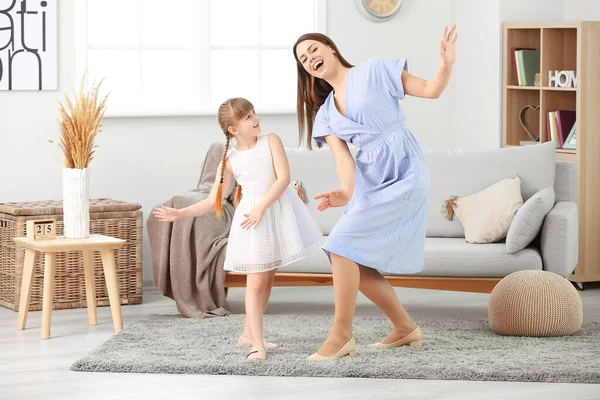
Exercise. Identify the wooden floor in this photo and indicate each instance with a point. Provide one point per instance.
(34, 369)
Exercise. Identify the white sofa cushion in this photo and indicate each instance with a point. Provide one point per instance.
(487, 214)
(455, 257)
(464, 172)
(448, 257)
(528, 221)
(316, 262)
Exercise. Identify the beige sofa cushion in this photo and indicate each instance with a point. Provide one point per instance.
(486, 215)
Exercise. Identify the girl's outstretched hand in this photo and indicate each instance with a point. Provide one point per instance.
(335, 198)
(252, 218)
(448, 46)
(166, 214)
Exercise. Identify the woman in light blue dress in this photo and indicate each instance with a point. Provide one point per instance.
(385, 190)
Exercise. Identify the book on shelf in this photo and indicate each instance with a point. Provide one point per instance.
(551, 128)
(565, 120)
(525, 63)
(560, 124)
(516, 78)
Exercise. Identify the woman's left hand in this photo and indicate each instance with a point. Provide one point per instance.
(448, 46)
(253, 218)
(335, 198)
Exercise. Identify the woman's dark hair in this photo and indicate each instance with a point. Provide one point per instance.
(312, 91)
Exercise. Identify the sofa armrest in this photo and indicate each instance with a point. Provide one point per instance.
(560, 239)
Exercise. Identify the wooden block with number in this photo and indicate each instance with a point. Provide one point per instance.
(41, 229)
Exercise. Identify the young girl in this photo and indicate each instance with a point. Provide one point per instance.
(271, 226)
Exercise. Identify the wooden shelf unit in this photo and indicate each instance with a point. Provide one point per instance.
(563, 46)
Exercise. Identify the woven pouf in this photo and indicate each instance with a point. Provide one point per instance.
(535, 303)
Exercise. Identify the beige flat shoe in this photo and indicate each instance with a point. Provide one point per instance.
(413, 339)
(257, 355)
(244, 341)
(349, 349)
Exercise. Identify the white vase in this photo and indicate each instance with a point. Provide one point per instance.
(76, 203)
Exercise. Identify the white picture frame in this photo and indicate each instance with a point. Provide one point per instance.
(570, 141)
(28, 60)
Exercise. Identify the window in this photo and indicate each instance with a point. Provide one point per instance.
(184, 57)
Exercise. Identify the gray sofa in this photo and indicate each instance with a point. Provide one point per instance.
(450, 262)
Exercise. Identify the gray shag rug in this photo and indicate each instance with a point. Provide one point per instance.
(453, 349)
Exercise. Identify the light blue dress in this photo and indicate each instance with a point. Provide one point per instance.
(383, 227)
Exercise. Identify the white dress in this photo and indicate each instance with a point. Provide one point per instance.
(286, 233)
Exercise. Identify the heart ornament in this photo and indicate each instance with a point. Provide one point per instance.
(523, 120)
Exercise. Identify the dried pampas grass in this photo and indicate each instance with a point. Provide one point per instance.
(80, 122)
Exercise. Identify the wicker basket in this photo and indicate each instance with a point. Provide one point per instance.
(107, 217)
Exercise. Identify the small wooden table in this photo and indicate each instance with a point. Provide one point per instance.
(105, 244)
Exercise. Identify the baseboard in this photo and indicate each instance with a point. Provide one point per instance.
(148, 284)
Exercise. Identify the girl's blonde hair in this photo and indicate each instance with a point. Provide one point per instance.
(230, 112)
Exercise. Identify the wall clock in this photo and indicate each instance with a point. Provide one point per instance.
(378, 10)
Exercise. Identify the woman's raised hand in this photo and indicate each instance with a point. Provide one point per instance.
(448, 46)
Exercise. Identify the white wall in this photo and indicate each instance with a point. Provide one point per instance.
(586, 10)
(477, 70)
(147, 160)
(479, 64)
(414, 34)
(531, 10)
